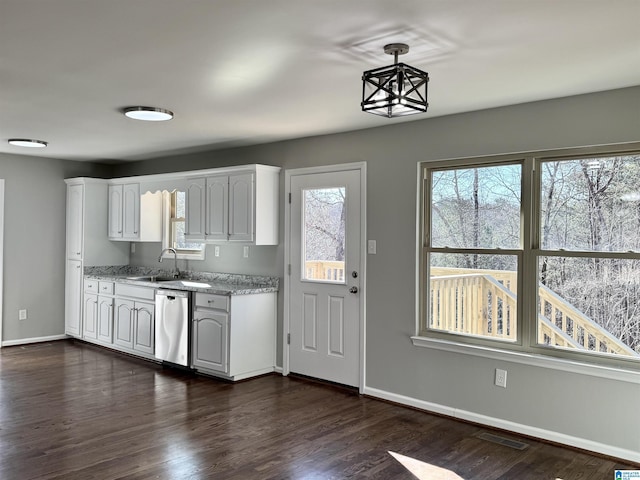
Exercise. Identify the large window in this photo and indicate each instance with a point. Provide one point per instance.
(536, 253)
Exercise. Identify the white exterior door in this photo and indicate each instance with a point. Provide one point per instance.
(326, 260)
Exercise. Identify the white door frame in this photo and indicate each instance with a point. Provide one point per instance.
(1, 254)
(362, 166)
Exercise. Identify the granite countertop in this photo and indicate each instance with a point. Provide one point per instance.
(207, 282)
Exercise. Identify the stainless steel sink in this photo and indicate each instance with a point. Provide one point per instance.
(185, 283)
(152, 278)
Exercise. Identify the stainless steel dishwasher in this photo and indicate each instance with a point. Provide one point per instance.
(172, 326)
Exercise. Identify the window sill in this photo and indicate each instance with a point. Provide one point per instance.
(535, 360)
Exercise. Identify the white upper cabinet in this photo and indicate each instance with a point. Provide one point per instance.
(238, 205)
(217, 208)
(134, 217)
(131, 211)
(115, 211)
(195, 207)
(242, 207)
(75, 205)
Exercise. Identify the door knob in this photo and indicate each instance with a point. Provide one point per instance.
(353, 290)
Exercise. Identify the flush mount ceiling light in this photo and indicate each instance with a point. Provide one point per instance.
(149, 114)
(27, 142)
(396, 90)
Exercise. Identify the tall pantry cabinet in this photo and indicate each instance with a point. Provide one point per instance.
(87, 243)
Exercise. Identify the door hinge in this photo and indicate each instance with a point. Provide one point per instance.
(288, 339)
(289, 197)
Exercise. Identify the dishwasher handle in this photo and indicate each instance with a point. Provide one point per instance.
(172, 294)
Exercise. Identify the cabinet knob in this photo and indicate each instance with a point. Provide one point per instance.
(78, 253)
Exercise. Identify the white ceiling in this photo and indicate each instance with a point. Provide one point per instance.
(253, 71)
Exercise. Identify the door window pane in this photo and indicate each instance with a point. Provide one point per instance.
(590, 303)
(476, 207)
(591, 204)
(474, 294)
(324, 234)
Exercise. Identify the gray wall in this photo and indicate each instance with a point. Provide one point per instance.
(585, 407)
(34, 242)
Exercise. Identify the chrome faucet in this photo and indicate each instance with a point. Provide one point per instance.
(176, 272)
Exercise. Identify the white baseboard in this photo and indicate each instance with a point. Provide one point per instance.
(278, 369)
(528, 430)
(25, 341)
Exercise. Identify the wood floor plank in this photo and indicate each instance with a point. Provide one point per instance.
(69, 410)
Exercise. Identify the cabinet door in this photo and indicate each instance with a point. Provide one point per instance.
(123, 323)
(210, 342)
(115, 211)
(73, 297)
(195, 195)
(75, 212)
(105, 319)
(144, 327)
(241, 207)
(90, 318)
(217, 211)
(131, 211)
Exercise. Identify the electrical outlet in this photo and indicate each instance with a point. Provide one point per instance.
(501, 378)
(22, 314)
(245, 252)
(216, 251)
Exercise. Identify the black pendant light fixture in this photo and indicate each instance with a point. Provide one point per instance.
(396, 90)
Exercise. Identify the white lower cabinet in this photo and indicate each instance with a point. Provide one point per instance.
(233, 336)
(144, 327)
(120, 316)
(90, 324)
(97, 311)
(211, 341)
(134, 325)
(73, 298)
(105, 320)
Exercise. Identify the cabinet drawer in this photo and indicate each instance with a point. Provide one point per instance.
(91, 286)
(211, 300)
(105, 288)
(144, 293)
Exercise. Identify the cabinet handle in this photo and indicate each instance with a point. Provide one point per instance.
(77, 266)
(78, 253)
(135, 232)
(119, 231)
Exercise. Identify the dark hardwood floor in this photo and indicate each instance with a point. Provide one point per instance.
(70, 410)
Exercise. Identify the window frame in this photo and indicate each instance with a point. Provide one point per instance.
(528, 255)
(168, 231)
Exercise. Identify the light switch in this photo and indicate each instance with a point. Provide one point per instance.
(371, 247)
